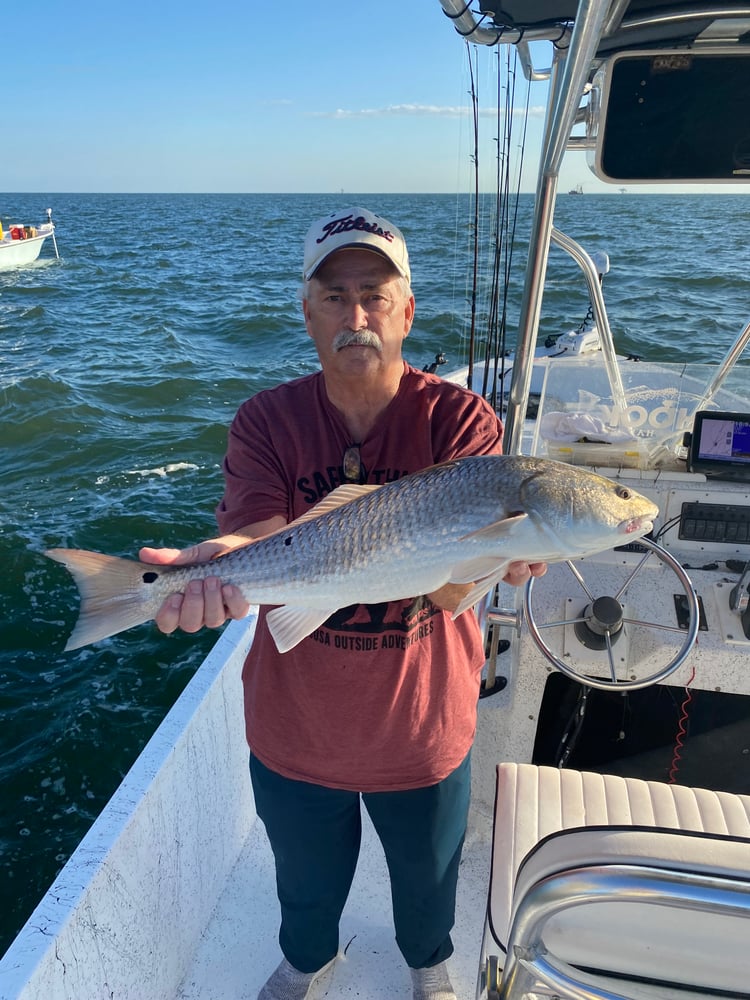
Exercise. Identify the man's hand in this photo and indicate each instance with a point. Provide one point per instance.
(205, 602)
(448, 597)
(519, 572)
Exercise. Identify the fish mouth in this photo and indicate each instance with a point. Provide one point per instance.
(642, 525)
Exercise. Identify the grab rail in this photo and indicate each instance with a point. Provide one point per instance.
(591, 274)
(528, 958)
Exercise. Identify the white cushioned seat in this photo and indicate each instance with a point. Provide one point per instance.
(550, 821)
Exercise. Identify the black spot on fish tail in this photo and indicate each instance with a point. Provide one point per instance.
(150, 577)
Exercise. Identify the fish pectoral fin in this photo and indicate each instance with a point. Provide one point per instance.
(485, 571)
(476, 569)
(289, 625)
(336, 498)
(508, 526)
(483, 586)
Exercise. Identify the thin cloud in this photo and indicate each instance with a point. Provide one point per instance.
(419, 110)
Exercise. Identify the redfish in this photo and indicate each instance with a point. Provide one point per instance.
(463, 521)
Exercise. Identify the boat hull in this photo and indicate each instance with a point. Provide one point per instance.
(155, 862)
(19, 253)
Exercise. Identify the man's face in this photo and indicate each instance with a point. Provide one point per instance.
(357, 313)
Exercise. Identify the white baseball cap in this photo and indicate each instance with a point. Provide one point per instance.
(354, 227)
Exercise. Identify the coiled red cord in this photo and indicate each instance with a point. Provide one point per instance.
(681, 731)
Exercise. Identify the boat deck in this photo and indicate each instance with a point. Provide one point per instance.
(239, 949)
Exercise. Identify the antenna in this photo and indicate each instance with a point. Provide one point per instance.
(51, 223)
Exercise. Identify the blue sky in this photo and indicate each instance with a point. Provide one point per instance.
(234, 96)
(230, 96)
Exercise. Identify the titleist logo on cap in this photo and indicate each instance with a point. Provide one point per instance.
(348, 223)
(355, 228)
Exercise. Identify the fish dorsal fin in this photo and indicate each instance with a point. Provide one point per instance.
(497, 529)
(289, 625)
(336, 498)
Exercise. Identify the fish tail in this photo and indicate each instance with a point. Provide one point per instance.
(112, 593)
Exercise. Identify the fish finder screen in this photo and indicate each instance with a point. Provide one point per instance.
(721, 444)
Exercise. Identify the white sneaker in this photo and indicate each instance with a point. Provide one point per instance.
(432, 983)
(288, 983)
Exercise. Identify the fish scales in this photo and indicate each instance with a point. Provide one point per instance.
(463, 521)
(365, 544)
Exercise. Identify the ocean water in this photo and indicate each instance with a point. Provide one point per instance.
(121, 365)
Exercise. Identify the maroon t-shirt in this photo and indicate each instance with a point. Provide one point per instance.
(380, 697)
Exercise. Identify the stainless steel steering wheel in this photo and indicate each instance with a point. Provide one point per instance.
(601, 622)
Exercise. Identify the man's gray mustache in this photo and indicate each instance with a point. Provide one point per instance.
(356, 338)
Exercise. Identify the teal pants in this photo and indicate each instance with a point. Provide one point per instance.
(315, 834)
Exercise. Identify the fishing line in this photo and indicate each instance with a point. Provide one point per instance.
(461, 248)
(475, 241)
(492, 325)
(511, 231)
(492, 223)
(507, 197)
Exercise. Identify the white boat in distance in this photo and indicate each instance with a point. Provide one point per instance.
(21, 245)
(608, 851)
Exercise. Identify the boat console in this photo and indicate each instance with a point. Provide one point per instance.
(675, 610)
(628, 673)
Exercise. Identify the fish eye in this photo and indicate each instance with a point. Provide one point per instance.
(623, 493)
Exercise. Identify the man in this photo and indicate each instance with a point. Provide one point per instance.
(378, 704)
